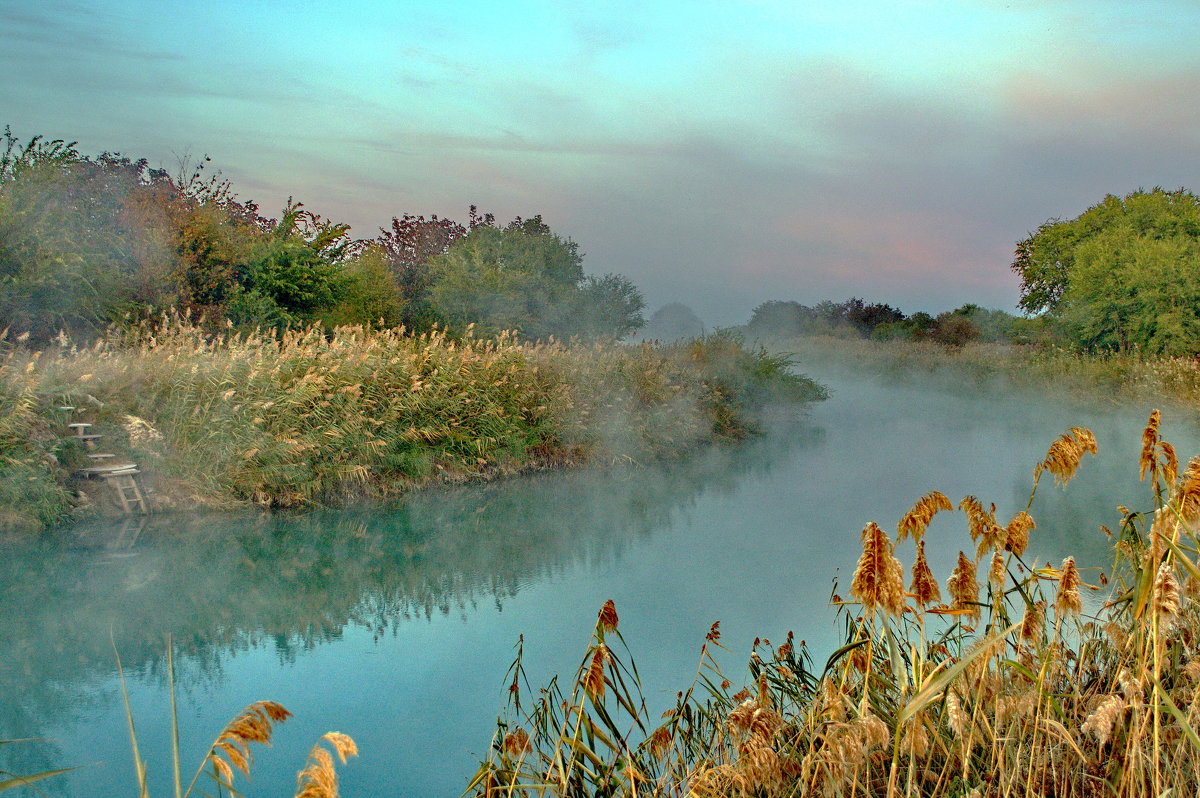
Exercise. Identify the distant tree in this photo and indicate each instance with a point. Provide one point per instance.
(1123, 275)
(778, 319)
(608, 307)
(525, 277)
(672, 322)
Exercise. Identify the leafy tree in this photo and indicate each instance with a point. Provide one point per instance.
(1123, 275)
(409, 245)
(75, 244)
(525, 277)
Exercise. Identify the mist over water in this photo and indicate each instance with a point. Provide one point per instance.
(395, 625)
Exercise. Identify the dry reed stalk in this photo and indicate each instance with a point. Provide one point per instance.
(878, 580)
(593, 678)
(607, 619)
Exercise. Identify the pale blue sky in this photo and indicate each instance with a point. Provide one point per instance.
(719, 153)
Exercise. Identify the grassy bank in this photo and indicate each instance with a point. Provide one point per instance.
(1012, 686)
(1108, 378)
(307, 417)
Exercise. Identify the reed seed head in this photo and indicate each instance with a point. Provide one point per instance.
(996, 572)
(1166, 592)
(319, 777)
(1064, 455)
(878, 580)
(1033, 622)
(516, 743)
(1067, 600)
(593, 679)
(917, 519)
(924, 586)
(231, 749)
(607, 620)
(1108, 712)
(1188, 496)
(963, 586)
(1148, 461)
(1018, 529)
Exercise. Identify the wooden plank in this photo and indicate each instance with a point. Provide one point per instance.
(84, 437)
(101, 470)
(78, 425)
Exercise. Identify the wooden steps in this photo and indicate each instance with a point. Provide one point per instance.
(121, 475)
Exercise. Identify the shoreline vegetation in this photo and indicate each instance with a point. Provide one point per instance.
(1012, 686)
(1107, 378)
(309, 417)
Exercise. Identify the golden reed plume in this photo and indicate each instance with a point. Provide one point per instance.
(917, 519)
(1188, 496)
(1063, 456)
(231, 749)
(319, 778)
(1067, 600)
(879, 577)
(1146, 465)
(593, 679)
(963, 587)
(924, 587)
(1017, 533)
(607, 620)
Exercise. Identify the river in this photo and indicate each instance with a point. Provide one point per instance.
(396, 625)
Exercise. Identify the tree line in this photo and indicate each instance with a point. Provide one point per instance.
(86, 242)
(1122, 277)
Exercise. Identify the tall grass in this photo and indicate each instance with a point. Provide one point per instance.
(1013, 687)
(307, 417)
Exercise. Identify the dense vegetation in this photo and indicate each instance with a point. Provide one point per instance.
(310, 416)
(86, 242)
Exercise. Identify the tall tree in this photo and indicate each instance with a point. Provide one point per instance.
(1123, 275)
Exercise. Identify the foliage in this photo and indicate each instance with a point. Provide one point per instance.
(1014, 688)
(524, 277)
(1121, 276)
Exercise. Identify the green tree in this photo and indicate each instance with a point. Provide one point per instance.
(1123, 275)
(525, 277)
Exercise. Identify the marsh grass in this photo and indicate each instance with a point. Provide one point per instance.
(1013, 688)
(309, 417)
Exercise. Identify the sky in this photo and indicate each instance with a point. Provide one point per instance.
(720, 154)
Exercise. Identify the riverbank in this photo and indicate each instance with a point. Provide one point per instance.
(309, 418)
(1086, 379)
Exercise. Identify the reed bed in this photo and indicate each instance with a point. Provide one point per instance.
(308, 417)
(1009, 687)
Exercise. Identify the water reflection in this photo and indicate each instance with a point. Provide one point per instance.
(221, 584)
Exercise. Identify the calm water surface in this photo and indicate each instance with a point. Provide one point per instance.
(396, 626)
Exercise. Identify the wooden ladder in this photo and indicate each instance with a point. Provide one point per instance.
(128, 492)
